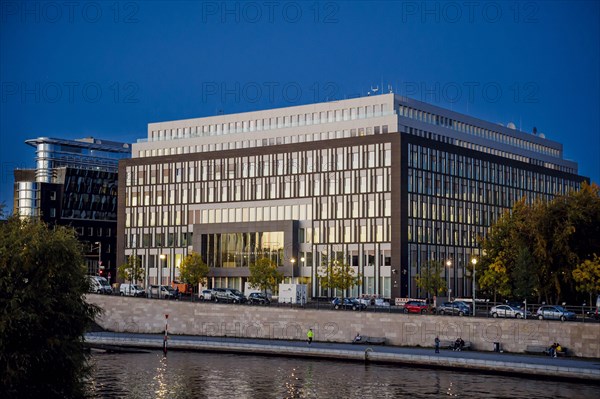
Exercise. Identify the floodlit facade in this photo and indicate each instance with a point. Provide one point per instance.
(75, 184)
(384, 183)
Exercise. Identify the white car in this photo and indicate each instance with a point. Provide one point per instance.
(99, 285)
(381, 302)
(508, 311)
(206, 295)
(131, 290)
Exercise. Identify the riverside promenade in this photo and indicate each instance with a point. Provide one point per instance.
(487, 362)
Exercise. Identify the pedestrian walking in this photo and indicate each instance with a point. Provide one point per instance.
(437, 344)
(310, 335)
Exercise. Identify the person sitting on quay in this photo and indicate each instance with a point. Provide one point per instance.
(552, 350)
(459, 344)
(358, 338)
(557, 349)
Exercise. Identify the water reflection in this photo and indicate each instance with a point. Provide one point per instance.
(209, 375)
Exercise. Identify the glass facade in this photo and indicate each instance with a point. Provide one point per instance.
(454, 196)
(90, 194)
(242, 249)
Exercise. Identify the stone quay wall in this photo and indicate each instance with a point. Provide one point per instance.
(141, 315)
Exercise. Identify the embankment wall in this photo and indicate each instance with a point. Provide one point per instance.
(140, 315)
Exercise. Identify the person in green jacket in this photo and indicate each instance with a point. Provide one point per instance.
(310, 335)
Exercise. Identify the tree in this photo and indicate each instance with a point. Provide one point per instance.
(193, 270)
(430, 278)
(264, 275)
(338, 275)
(499, 252)
(524, 280)
(587, 276)
(43, 314)
(495, 279)
(539, 245)
(132, 271)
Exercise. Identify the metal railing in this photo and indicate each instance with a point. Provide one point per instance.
(583, 313)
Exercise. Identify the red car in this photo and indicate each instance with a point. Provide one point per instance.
(416, 307)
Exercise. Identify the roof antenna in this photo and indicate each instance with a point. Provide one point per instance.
(375, 90)
(390, 89)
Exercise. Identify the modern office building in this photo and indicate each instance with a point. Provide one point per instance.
(384, 183)
(75, 183)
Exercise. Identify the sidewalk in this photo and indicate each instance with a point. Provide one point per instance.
(513, 364)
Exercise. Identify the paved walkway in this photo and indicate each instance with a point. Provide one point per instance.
(572, 368)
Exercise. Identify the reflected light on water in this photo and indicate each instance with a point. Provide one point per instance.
(161, 390)
(451, 390)
(183, 375)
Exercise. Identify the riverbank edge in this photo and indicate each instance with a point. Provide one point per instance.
(370, 355)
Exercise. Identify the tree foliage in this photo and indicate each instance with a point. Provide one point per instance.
(193, 270)
(338, 275)
(43, 314)
(533, 250)
(430, 278)
(132, 270)
(587, 276)
(264, 275)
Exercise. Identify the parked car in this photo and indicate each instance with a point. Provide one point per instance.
(415, 307)
(131, 290)
(348, 303)
(508, 311)
(594, 314)
(554, 312)
(160, 291)
(183, 288)
(228, 295)
(259, 298)
(380, 302)
(454, 308)
(206, 295)
(99, 285)
(515, 304)
(174, 292)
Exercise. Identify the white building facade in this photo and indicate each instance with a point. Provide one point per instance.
(383, 183)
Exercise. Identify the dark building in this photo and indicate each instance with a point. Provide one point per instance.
(75, 183)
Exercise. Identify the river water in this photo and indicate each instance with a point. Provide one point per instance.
(213, 375)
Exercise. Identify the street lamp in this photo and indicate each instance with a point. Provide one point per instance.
(474, 262)
(99, 244)
(163, 257)
(293, 260)
(448, 264)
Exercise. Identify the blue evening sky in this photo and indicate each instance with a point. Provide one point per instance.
(106, 69)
